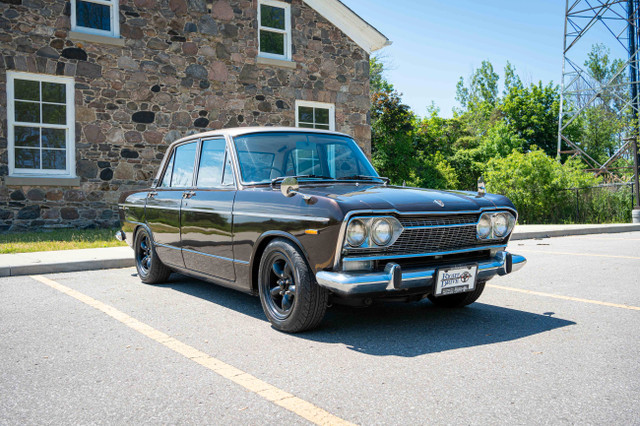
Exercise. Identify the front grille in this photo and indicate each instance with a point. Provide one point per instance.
(440, 238)
(460, 219)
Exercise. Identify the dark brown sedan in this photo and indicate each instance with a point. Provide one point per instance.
(300, 217)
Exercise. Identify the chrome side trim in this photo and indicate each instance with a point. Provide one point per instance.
(215, 257)
(163, 208)
(349, 215)
(203, 254)
(283, 216)
(362, 283)
(197, 210)
(409, 256)
(131, 205)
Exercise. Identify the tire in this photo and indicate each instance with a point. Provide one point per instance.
(291, 298)
(150, 269)
(458, 300)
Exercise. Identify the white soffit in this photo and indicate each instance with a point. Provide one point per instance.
(351, 24)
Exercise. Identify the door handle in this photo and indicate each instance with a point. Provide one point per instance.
(152, 194)
(188, 194)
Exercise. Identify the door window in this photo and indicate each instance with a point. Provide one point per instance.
(211, 163)
(184, 161)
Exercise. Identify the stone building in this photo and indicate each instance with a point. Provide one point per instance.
(92, 91)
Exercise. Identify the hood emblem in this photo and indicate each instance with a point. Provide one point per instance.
(439, 202)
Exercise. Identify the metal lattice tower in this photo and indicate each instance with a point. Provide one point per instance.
(615, 24)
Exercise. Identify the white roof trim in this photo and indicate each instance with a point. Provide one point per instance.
(351, 24)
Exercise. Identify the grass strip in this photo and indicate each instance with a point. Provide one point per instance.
(57, 239)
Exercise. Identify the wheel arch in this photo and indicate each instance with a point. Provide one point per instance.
(259, 247)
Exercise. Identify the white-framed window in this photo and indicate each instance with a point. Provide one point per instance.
(98, 17)
(274, 29)
(315, 115)
(41, 125)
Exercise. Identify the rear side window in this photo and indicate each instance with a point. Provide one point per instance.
(211, 163)
(185, 156)
(166, 179)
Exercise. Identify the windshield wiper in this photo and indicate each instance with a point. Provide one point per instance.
(365, 177)
(281, 178)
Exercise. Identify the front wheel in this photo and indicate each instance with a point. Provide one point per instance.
(290, 296)
(458, 300)
(150, 269)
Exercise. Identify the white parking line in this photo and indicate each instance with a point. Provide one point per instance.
(574, 299)
(251, 383)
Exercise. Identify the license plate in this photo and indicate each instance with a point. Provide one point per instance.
(459, 279)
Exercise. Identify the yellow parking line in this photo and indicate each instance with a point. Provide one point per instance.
(251, 383)
(577, 254)
(574, 299)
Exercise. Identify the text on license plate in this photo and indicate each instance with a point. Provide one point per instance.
(454, 280)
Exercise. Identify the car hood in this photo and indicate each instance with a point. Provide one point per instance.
(379, 197)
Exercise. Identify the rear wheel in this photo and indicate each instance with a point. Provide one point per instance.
(150, 269)
(291, 298)
(458, 300)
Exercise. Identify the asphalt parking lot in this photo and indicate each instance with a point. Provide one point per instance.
(557, 342)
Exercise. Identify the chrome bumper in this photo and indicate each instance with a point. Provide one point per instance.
(393, 278)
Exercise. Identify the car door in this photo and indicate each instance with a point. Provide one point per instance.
(206, 222)
(164, 203)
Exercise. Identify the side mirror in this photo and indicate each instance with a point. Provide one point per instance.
(289, 186)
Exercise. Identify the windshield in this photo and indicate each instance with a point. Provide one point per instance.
(266, 156)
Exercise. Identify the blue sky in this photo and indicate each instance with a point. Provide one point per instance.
(435, 42)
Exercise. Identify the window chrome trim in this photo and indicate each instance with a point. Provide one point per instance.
(352, 213)
(409, 256)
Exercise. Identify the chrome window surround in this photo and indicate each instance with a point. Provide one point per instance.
(343, 229)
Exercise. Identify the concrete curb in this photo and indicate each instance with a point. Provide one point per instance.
(52, 268)
(527, 232)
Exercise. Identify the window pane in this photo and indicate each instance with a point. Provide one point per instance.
(26, 136)
(27, 158)
(256, 166)
(54, 160)
(322, 116)
(305, 114)
(54, 114)
(166, 179)
(28, 112)
(305, 125)
(211, 161)
(54, 92)
(272, 17)
(26, 89)
(92, 15)
(271, 42)
(183, 166)
(322, 126)
(53, 138)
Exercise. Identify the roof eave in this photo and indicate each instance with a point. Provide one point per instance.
(349, 22)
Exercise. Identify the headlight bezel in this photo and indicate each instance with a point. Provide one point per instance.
(493, 217)
(370, 241)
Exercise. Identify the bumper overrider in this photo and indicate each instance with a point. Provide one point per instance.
(393, 278)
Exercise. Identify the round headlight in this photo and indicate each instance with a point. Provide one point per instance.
(356, 233)
(381, 232)
(500, 224)
(483, 228)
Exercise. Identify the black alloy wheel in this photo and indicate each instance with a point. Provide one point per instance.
(291, 298)
(150, 268)
(281, 286)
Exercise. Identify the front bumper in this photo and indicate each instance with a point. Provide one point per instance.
(394, 279)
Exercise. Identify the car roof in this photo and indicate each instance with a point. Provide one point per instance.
(239, 131)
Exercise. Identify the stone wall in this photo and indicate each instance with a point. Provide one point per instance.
(186, 66)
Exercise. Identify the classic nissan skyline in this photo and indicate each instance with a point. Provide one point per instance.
(301, 218)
